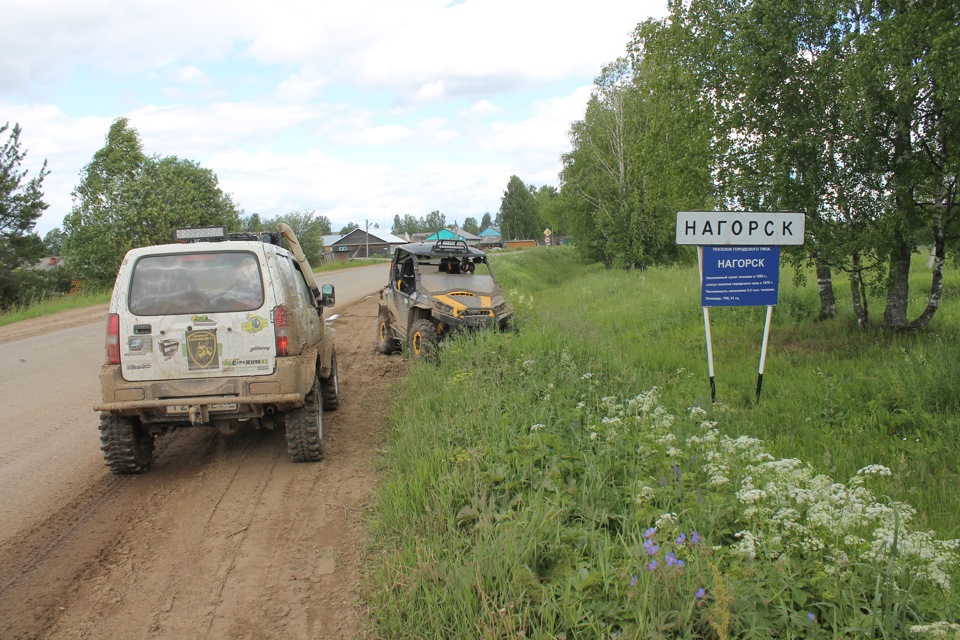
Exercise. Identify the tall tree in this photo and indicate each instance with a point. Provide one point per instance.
(640, 154)
(486, 221)
(518, 212)
(434, 221)
(845, 110)
(470, 225)
(21, 199)
(53, 242)
(310, 229)
(21, 204)
(126, 199)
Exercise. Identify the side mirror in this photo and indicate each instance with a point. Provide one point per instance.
(328, 297)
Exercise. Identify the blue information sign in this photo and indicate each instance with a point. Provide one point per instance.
(740, 276)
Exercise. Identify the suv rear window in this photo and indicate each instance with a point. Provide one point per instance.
(181, 283)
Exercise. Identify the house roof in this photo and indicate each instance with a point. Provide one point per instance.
(490, 232)
(444, 234)
(359, 236)
(466, 235)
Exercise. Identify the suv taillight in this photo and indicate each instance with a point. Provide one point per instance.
(280, 324)
(113, 339)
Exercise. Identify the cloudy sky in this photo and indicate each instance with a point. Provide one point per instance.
(358, 109)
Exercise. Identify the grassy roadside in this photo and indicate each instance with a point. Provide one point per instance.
(574, 480)
(54, 305)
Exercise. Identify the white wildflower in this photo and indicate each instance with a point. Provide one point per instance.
(753, 495)
(645, 496)
(536, 427)
(586, 376)
(875, 470)
(942, 629)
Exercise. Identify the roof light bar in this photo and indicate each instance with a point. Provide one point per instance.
(200, 233)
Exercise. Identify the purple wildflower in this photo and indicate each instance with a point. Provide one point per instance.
(811, 617)
(671, 559)
(649, 533)
(652, 565)
(633, 581)
(681, 538)
(695, 538)
(650, 547)
(701, 592)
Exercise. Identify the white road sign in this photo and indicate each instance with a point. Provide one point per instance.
(743, 228)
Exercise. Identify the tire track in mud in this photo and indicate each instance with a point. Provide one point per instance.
(223, 536)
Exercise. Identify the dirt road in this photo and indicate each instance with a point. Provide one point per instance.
(222, 538)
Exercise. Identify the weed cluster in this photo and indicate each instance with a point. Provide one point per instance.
(528, 494)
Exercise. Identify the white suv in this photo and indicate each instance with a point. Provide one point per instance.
(222, 330)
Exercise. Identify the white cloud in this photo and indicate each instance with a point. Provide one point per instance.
(483, 108)
(387, 134)
(430, 92)
(362, 109)
(546, 129)
(192, 75)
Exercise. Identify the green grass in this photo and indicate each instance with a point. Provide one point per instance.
(522, 473)
(54, 305)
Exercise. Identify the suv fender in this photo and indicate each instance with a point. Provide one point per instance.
(325, 361)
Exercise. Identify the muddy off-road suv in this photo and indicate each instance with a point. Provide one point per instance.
(434, 290)
(222, 330)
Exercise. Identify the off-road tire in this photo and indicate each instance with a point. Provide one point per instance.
(127, 447)
(304, 427)
(330, 386)
(423, 340)
(386, 343)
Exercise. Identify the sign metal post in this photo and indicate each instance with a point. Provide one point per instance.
(738, 253)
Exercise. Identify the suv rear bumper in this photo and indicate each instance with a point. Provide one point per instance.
(193, 400)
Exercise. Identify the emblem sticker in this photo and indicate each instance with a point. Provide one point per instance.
(254, 323)
(168, 348)
(139, 345)
(202, 351)
(202, 320)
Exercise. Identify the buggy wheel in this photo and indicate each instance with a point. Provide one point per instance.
(127, 447)
(304, 427)
(423, 340)
(386, 343)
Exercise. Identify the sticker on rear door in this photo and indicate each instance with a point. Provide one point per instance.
(202, 350)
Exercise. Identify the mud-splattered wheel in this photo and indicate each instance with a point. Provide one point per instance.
(127, 447)
(304, 428)
(330, 386)
(423, 340)
(386, 343)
